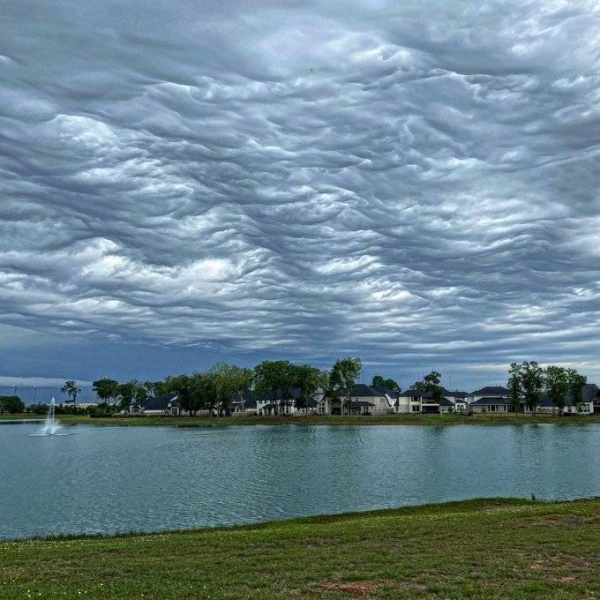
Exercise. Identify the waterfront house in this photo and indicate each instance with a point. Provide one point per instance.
(487, 404)
(361, 399)
(590, 395)
(164, 404)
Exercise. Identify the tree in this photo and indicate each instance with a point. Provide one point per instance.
(275, 377)
(203, 392)
(129, 391)
(514, 384)
(105, 389)
(231, 381)
(529, 378)
(308, 379)
(11, 404)
(557, 386)
(71, 390)
(155, 388)
(343, 377)
(182, 385)
(431, 383)
(379, 381)
(576, 383)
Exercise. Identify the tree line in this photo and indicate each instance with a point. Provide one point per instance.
(287, 382)
(528, 382)
(225, 383)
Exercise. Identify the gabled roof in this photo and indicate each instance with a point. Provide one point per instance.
(490, 400)
(279, 394)
(158, 402)
(496, 390)
(366, 391)
(384, 391)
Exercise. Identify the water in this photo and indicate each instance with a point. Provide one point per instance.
(113, 479)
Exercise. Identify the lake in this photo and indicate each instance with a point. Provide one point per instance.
(118, 479)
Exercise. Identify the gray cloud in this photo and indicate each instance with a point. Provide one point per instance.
(415, 184)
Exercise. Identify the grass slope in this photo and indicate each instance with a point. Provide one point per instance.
(487, 548)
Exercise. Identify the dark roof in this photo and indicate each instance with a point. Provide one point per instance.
(446, 402)
(279, 394)
(158, 402)
(490, 400)
(497, 390)
(384, 391)
(590, 390)
(363, 390)
(418, 393)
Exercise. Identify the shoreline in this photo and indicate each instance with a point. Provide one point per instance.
(480, 548)
(355, 420)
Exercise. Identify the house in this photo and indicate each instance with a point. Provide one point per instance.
(487, 404)
(418, 401)
(278, 402)
(412, 401)
(244, 405)
(362, 399)
(460, 400)
(590, 396)
(164, 404)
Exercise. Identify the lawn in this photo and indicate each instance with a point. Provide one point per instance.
(488, 548)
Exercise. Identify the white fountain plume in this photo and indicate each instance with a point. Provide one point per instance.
(51, 425)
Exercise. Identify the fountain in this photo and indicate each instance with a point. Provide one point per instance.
(51, 425)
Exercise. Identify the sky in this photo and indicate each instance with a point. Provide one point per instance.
(182, 182)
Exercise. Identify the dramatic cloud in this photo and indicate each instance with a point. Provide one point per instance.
(415, 183)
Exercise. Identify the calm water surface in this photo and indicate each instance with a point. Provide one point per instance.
(113, 479)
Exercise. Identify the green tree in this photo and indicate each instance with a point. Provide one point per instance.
(11, 404)
(557, 386)
(379, 381)
(275, 377)
(430, 383)
(308, 380)
(155, 388)
(529, 377)
(576, 383)
(106, 389)
(231, 382)
(204, 392)
(182, 385)
(342, 378)
(129, 391)
(514, 384)
(71, 390)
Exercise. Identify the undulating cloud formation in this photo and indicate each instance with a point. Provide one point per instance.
(415, 183)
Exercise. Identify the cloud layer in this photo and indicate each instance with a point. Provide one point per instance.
(415, 183)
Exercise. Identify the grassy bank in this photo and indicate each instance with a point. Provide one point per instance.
(476, 549)
(390, 419)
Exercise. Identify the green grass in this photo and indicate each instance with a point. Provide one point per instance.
(485, 549)
(386, 419)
